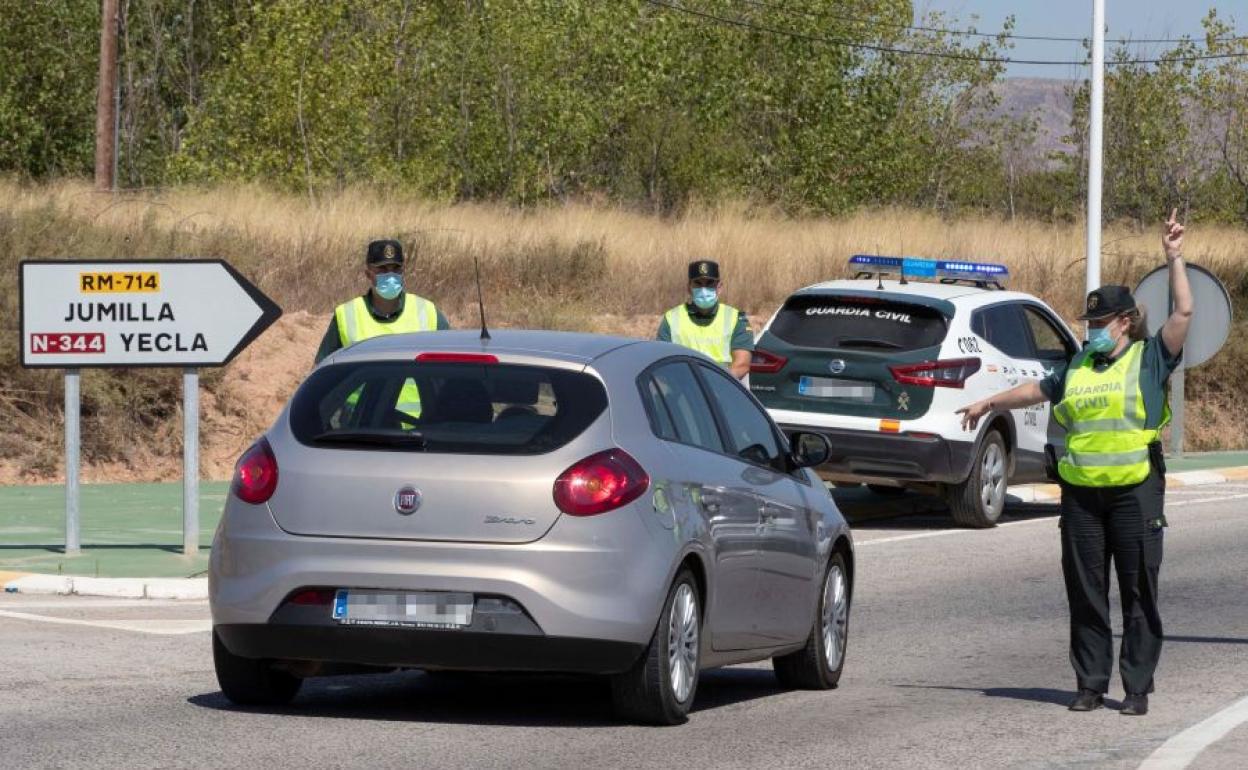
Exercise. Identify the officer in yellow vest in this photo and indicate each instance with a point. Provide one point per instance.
(1112, 401)
(384, 309)
(708, 325)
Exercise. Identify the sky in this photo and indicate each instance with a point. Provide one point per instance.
(1073, 18)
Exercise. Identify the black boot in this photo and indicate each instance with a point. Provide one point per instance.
(1134, 705)
(1087, 700)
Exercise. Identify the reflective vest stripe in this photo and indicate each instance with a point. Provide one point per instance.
(1106, 459)
(713, 339)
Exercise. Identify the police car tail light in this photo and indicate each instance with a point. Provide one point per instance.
(255, 476)
(601, 482)
(951, 373)
(766, 362)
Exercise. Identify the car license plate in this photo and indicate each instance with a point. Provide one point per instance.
(424, 609)
(826, 387)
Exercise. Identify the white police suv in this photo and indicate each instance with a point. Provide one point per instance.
(881, 365)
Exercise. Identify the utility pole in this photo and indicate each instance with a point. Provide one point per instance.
(1095, 145)
(106, 101)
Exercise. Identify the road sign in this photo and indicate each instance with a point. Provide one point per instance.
(1210, 326)
(1211, 323)
(186, 313)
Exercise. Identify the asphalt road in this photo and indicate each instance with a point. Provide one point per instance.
(957, 657)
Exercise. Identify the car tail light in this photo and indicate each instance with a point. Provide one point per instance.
(255, 476)
(312, 597)
(951, 373)
(766, 362)
(601, 482)
(456, 358)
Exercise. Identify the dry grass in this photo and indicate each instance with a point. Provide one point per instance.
(571, 267)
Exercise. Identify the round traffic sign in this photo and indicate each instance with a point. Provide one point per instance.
(1211, 323)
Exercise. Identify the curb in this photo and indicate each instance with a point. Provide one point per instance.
(117, 588)
(1043, 493)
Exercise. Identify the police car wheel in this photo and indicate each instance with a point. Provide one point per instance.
(251, 682)
(979, 501)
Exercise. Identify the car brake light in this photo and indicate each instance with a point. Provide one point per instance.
(951, 373)
(601, 482)
(456, 358)
(766, 362)
(255, 476)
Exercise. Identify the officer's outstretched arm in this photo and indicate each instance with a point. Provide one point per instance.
(1174, 332)
(740, 365)
(1027, 394)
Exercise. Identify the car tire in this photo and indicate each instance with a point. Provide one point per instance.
(979, 501)
(818, 665)
(252, 682)
(660, 687)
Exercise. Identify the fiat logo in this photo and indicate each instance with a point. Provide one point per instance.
(407, 500)
(836, 366)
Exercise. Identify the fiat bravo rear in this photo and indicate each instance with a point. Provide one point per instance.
(536, 502)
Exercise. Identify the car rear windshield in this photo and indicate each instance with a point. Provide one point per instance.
(445, 407)
(863, 323)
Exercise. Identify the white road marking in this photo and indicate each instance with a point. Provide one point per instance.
(946, 532)
(1182, 749)
(101, 603)
(159, 627)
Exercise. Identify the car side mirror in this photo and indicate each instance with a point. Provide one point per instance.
(807, 450)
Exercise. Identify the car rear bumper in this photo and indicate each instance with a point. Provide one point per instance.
(428, 648)
(872, 456)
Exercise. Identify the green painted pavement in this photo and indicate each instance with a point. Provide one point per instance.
(1203, 461)
(128, 530)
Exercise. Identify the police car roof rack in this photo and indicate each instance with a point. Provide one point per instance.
(985, 275)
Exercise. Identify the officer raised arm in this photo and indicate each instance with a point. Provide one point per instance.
(1112, 401)
(707, 325)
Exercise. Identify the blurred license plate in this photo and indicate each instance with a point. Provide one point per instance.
(425, 609)
(826, 387)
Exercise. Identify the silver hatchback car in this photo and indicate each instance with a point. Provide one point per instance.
(539, 501)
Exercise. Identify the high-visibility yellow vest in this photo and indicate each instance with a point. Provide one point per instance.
(713, 339)
(1107, 443)
(356, 324)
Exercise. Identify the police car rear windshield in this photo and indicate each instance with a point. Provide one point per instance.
(445, 407)
(858, 323)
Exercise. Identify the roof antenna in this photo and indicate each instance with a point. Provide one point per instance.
(902, 269)
(485, 333)
(879, 276)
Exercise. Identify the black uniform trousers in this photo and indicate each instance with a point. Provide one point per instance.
(1124, 524)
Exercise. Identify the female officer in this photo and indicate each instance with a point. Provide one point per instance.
(1111, 400)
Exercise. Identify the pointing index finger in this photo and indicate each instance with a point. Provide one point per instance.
(1174, 213)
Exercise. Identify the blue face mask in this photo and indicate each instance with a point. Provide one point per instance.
(388, 285)
(705, 297)
(1100, 341)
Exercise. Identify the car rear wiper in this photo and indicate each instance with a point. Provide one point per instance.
(377, 437)
(863, 342)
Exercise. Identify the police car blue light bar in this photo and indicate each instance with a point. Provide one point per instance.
(913, 267)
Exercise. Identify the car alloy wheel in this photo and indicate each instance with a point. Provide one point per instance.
(992, 478)
(835, 618)
(682, 643)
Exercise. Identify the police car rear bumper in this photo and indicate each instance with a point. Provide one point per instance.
(869, 456)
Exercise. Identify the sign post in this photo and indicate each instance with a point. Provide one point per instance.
(180, 313)
(1096, 111)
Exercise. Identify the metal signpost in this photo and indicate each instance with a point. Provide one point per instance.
(1211, 325)
(1095, 123)
(180, 313)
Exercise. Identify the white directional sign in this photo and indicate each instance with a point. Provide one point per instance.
(185, 313)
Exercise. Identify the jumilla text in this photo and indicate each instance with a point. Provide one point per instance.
(118, 311)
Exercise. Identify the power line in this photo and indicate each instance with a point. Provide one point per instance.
(791, 11)
(742, 24)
